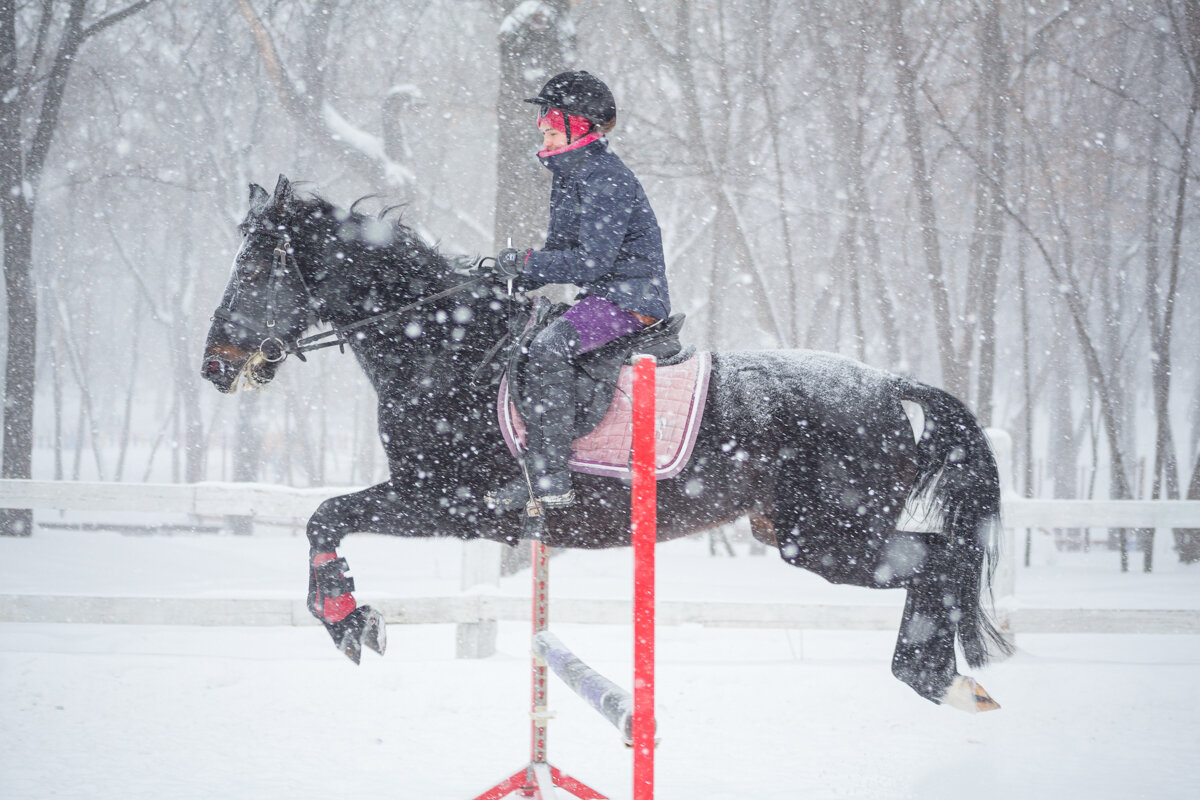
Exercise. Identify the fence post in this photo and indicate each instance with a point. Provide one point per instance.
(1006, 570)
(480, 567)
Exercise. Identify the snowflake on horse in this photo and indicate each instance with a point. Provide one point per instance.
(816, 449)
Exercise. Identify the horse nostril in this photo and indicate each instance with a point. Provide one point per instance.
(213, 367)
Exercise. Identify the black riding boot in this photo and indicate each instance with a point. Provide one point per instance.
(549, 436)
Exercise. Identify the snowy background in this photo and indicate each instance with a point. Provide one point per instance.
(998, 198)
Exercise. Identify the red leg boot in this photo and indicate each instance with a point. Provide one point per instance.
(330, 600)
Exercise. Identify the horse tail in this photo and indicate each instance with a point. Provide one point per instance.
(958, 476)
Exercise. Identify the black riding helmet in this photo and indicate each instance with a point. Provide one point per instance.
(579, 94)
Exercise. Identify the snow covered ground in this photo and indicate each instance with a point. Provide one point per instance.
(131, 712)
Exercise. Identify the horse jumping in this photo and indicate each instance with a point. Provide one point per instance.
(815, 448)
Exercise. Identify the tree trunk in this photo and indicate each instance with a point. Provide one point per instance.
(20, 359)
(774, 131)
(534, 46)
(130, 391)
(845, 103)
(731, 246)
(953, 374)
(1162, 347)
(995, 80)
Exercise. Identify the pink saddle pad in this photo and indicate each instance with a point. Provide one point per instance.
(681, 390)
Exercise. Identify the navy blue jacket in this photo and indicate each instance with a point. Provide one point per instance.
(603, 236)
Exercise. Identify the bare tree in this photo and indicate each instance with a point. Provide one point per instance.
(907, 84)
(848, 104)
(35, 67)
(1185, 35)
(714, 79)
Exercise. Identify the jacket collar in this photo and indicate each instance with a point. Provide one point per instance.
(566, 161)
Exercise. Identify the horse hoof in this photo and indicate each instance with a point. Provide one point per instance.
(967, 695)
(351, 646)
(374, 633)
(364, 626)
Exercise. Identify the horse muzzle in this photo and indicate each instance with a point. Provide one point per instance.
(221, 367)
(226, 367)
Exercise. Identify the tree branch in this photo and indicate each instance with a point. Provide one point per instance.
(270, 57)
(56, 85)
(73, 37)
(43, 31)
(114, 18)
(643, 24)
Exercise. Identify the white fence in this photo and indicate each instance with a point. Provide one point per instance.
(477, 611)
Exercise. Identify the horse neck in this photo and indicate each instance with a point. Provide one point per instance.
(364, 283)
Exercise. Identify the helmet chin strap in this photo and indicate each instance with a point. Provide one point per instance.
(558, 115)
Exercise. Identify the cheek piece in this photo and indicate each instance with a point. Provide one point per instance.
(579, 125)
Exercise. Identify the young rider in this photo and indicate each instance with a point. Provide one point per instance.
(604, 238)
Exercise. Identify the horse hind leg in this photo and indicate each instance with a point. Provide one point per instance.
(924, 657)
(929, 566)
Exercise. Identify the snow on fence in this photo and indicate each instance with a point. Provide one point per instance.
(263, 501)
(200, 499)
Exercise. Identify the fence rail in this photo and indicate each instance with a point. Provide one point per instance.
(203, 499)
(279, 502)
(1019, 512)
(285, 502)
(479, 608)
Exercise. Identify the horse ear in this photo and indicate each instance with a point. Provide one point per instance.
(258, 196)
(283, 191)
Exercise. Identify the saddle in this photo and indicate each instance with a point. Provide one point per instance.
(603, 397)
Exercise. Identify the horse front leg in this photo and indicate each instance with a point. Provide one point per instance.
(330, 588)
(331, 600)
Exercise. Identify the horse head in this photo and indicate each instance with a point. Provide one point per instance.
(267, 303)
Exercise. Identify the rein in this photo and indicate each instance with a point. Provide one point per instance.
(274, 349)
(313, 342)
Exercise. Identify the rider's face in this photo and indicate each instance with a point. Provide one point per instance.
(552, 138)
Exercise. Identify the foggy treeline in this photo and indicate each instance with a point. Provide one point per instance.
(996, 197)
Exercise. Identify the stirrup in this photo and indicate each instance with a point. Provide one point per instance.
(535, 506)
(511, 495)
(515, 494)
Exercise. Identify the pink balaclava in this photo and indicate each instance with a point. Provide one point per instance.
(579, 125)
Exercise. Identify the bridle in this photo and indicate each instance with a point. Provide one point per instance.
(274, 349)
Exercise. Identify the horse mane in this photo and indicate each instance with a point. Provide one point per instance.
(373, 239)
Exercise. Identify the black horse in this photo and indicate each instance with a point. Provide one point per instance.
(816, 449)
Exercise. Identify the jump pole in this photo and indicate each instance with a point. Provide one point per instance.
(645, 536)
(632, 715)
